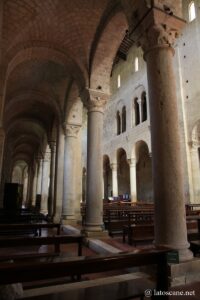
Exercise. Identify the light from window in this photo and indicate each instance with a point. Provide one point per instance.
(118, 123)
(136, 64)
(144, 107)
(118, 81)
(124, 119)
(191, 10)
(137, 112)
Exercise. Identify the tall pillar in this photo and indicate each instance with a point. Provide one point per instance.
(159, 32)
(34, 191)
(133, 182)
(52, 145)
(45, 183)
(59, 172)
(114, 180)
(39, 177)
(94, 202)
(195, 172)
(69, 192)
(30, 186)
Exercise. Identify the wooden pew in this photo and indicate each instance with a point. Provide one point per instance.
(23, 228)
(20, 216)
(116, 224)
(194, 239)
(39, 241)
(138, 233)
(27, 272)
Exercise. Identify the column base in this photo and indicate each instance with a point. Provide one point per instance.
(68, 217)
(185, 254)
(94, 234)
(57, 218)
(184, 272)
(44, 212)
(92, 230)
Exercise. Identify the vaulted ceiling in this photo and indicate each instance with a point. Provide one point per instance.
(45, 47)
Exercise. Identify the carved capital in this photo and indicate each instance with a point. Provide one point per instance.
(157, 29)
(47, 157)
(158, 35)
(114, 166)
(52, 146)
(71, 130)
(96, 100)
(194, 145)
(132, 162)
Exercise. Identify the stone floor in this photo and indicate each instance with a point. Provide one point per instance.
(114, 245)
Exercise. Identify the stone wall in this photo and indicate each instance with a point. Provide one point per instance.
(187, 70)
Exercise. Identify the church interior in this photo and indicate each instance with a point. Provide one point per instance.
(99, 149)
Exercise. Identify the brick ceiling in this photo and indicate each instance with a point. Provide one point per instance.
(45, 46)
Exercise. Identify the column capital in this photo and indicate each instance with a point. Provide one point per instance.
(194, 145)
(96, 100)
(132, 162)
(114, 166)
(157, 29)
(71, 130)
(47, 157)
(52, 146)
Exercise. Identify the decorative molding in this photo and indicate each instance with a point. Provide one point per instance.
(158, 35)
(96, 100)
(157, 29)
(114, 166)
(132, 162)
(52, 146)
(194, 145)
(47, 157)
(71, 130)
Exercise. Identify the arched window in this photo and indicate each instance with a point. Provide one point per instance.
(118, 81)
(118, 123)
(136, 64)
(144, 107)
(191, 11)
(137, 111)
(124, 119)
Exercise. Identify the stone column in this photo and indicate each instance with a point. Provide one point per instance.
(69, 183)
(114, 179)
(45, 183)
(52, 145)
(94, 202)
(159, 32)
(39, 176)
(195, 171)
(133, 182)
(29, 186)
(59, 172)
(34, 191)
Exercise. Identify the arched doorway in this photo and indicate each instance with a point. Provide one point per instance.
(144, 173)
(107, 177)
(123, 173)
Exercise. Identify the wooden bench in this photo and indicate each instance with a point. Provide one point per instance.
(27, 272)
(116, 224)
(25, 228)
(138, 233)
(21, 216)
(38, 241)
